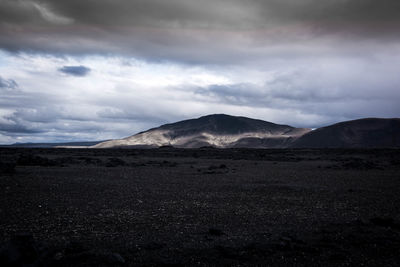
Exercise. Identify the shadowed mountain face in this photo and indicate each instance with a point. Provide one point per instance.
(358, 133)
(214, 130)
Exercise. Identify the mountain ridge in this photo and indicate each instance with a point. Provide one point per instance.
(225, 131)
(360, 133)
(219, 130)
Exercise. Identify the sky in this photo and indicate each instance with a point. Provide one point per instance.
(74, 70)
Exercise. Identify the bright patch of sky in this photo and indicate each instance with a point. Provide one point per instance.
(118, 97)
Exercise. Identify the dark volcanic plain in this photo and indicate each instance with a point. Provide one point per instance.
(207, 207)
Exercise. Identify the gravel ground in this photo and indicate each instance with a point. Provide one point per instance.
(206, 207)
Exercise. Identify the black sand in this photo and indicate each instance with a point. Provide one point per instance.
(175, 207)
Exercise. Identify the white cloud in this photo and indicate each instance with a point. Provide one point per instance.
(117, 98)
(123, 96)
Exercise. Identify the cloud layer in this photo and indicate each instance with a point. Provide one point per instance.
(85, 70)
(78, 71)
(219, 32)
(7, 85)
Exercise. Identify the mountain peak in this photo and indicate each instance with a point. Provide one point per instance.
(220, 130)
(223, 124)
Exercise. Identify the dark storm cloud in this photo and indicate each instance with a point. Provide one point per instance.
(193, 13)
(17, 129)
(78, 71)
(188, 30)
(345, 11)
(9, 84)
(14, 124)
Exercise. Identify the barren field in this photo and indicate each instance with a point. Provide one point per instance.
(207, 207)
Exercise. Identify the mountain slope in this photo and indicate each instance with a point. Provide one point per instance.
(217, 130)
(370, 132)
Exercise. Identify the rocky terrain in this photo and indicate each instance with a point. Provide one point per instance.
(199, 207)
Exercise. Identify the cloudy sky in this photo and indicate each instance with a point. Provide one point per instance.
(92, 70)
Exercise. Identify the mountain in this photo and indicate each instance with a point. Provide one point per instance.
(224, 131)
(362, 133)
(218, 130)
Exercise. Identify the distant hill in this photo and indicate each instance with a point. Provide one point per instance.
(218, 130)
(362, 133)
(50, 145)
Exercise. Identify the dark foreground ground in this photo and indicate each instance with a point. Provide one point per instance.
(208, 207)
